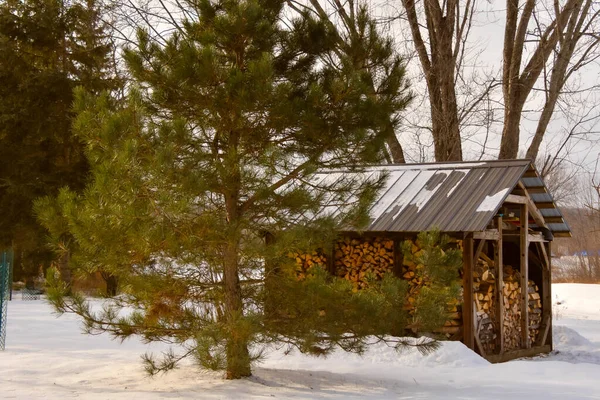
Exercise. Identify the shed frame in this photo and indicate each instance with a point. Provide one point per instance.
(523, 200)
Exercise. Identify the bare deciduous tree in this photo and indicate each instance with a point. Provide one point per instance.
(440, 51)
(545, 45)
(559, 35)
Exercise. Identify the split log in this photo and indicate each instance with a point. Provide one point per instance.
(360, 261)
(306, 261)
(484, 284)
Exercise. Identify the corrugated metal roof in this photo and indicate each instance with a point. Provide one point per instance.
(453, 197)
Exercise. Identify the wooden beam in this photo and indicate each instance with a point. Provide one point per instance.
(489, 234)
(478, 341)
(554, 220)
(524, 225)
(547, 294)
(545, 205)
(536, 189)
(499, 270)
(562, 234)
(513, 198)
(511, 355)
(532, 237)
(467, 311)
(398, 258)
(536, 214)
(536, 238)
(478, 251)
(546, 324)
(331, 258)
(533, 210)
(544, 255)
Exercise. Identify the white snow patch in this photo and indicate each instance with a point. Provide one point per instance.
(408, 195)
(436, 166)
(481, 175)
(426, 194)
(48, 358)
(576, 300)
(389, 192)
(464, 172)
(491, 202)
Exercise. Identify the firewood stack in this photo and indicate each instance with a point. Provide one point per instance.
(511, 293)
(306, 261)
(357, 260)
(485, 302)
(535, 311)
(485, 299)
(412, 271)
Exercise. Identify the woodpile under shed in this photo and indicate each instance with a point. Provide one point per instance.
(502, 217)
(412, 271)
(361, 260)
(485, 303)
(306, 261)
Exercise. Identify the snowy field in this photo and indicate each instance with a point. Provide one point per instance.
(48, 358)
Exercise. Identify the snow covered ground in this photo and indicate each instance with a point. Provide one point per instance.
(47, 358)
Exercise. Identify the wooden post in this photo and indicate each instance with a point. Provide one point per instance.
(478, 251)
(499, 263)
(526, 344)
(546, 334)
(467, 307)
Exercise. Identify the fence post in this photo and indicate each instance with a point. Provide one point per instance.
(5, 285)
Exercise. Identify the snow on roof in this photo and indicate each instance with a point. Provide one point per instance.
(453, 197)
(491, 203)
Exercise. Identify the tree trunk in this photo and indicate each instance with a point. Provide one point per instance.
(112, 283)
(396, 151)
(446, 132)
(509, 145)
(439, 69)
(561, 71)
(238, 356)
(519, 77)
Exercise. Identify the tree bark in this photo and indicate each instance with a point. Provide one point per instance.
(517, 84)
(112, 283)
(237, 354)
(439, 70)
(396, 151)
(575, 30)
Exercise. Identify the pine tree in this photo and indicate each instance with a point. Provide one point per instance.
(214, 150)
(48, 47)
(441, 261)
